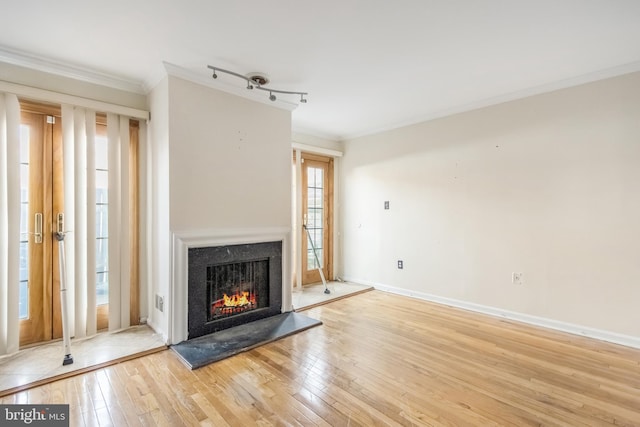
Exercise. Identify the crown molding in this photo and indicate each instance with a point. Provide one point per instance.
(607, 73)
(241, 91)
(44, 95)
(305, 130)
(51, 66)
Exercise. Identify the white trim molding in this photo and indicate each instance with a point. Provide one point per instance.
(316, 150)
(183, 241)
(47, 65)
(63, 98)
(612, 337)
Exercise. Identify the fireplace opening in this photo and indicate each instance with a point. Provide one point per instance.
(237, 288)
(231, 285)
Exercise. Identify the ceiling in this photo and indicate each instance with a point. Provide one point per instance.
(368, 65)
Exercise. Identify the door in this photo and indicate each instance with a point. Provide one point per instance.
(317, 211)
(40, 197)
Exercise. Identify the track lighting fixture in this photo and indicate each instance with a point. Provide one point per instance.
(256, 81)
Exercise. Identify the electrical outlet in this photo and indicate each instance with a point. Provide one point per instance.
(160, 303)
(386, 204)
(400, 265)
(517, 278)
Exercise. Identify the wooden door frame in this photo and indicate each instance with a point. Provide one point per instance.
(47, 323)
(328, 219)
(37, 326)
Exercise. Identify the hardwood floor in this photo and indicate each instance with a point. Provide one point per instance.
(379, 359)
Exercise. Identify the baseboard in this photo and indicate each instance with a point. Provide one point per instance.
(612, 337)
(157, 330)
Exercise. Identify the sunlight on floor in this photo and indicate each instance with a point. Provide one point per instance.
(45, 361)
(313, 295)
(39, 363)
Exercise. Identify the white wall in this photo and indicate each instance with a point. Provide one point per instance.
(230, 160)
(159, 270)
(220, 162)
(548, 186)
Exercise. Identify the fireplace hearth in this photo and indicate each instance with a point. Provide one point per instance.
(232, 285)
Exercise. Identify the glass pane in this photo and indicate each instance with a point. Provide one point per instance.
(102, 221)
(312, 264)
(24, 221)
(24, 144)
(24, 262)
(102, 155)
(23, 286)
(102, 186)
(102, 224)
(102, 288)
(311, 177)
(317, 239)
(102, 255)
(24, 182)
(311, 260)
(319, 197)
(23, 302)
(311, 219)
(23, 290)
(315, 213)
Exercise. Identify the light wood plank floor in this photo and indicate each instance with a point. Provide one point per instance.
(379, 359)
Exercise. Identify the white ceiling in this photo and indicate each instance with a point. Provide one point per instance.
(368, 65)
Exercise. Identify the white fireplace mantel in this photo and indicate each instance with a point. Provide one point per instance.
(183, 241)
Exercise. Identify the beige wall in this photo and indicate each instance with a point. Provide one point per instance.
(548, 186)
(219, 162)
(230, 160)
(159, 266)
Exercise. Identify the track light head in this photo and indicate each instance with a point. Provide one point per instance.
(272, 97)
(249, 86)
(302, 100)
(215, 76)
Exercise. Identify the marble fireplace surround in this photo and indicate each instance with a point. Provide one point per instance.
(177, 309)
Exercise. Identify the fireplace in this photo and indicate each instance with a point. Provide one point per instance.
(233, 284)
(237, 287)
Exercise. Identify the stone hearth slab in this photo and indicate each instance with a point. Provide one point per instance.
(201, 351)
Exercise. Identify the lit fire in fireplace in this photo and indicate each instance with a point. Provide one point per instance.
(236, 300)
(236, 303)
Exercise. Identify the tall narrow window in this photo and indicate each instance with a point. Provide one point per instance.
(102, 221)
(315, 216)
(23, 308)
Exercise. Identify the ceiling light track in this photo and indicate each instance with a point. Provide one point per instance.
(256, 81)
